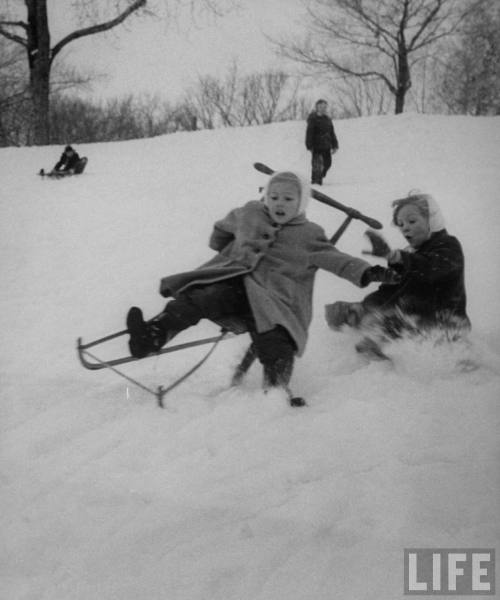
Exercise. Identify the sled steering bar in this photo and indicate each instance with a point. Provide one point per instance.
(320, 197)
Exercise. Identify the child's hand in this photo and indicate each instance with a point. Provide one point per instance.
(341, 313)
(379, 246)
(381, 275)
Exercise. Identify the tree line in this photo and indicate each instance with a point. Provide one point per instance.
(233, 101)
(371, 58)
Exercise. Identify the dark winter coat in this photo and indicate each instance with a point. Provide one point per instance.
(66, 162)
(278, 262)
(432, 285)
(320, 133)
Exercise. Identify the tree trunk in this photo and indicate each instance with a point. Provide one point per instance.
(40, 102)
(402, 75)
(400, 101)
(39, 64)
(41, 56)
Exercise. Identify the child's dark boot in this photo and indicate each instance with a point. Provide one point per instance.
(145, 337)
(277, 375)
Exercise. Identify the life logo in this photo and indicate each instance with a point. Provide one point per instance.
(449, 571)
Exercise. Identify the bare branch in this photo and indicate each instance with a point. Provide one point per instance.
(15, 24)
(97, 28)
(12, 36)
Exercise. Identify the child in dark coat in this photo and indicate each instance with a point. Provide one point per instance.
(431, 289)
(321, 141)
(68, 161)
(263, 275)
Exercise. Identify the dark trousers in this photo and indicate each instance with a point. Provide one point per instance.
(275, 348)
(321, 161)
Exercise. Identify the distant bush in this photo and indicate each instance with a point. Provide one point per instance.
(234, 101)
(81, 120)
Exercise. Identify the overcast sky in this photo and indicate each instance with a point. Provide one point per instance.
(149, 56)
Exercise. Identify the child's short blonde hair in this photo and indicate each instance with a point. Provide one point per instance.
(426, 206)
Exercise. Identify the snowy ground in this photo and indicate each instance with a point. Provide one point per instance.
(231, 494)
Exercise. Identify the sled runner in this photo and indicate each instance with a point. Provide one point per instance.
(229, 327)
(79, 168)
(102, 364)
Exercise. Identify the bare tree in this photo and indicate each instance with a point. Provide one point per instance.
(248, 100)
(356, 97)
(129, 117)
(266, 97)
(13, 95)
(185, 118)
(221, 94)
(384, 37)
(197, 104)
(251, 99)
(33, 34)
(277, 101)
(471, 80)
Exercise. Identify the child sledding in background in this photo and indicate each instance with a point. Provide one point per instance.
(263, 275)
(430, 292)
(69, 163)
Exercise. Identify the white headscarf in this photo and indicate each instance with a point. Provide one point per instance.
(419, 198)
(291, 176)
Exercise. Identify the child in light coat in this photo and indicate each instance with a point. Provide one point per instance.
(268, 254)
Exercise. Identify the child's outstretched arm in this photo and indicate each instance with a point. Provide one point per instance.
(356, 270)
(59, 163)
(339, 263)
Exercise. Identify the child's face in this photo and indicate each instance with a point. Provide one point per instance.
(283, 201)
(321, 108)
(413, 225)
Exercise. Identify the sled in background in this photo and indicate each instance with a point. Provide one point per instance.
(78, 170)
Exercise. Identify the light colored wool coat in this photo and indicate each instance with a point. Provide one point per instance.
(278, 262)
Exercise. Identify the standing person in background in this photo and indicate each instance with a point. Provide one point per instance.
(321, 141)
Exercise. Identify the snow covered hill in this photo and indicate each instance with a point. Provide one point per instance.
(231, 494)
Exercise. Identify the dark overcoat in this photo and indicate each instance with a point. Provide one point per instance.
(320, 133)
(432, 283)
(66, 162)
(278, 264)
